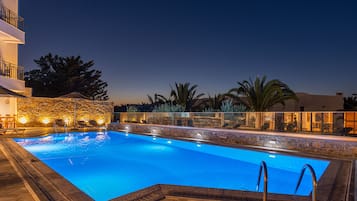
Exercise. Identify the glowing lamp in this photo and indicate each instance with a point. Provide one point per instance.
(23, 120)
(45, 121)
(100, 121)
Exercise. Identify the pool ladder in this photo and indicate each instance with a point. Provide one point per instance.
(263, 168)
(313, 176)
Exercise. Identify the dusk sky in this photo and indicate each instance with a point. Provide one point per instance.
(142, 47)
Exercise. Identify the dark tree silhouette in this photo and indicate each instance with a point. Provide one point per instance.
(185, 95)
(214, 102)
(58, 76)
(158, 99)
(350, 103)
(262, 94)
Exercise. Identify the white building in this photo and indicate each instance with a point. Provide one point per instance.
(11, 74)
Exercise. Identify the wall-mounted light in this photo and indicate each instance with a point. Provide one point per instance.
(66, 121)
(126, 128)
(45, 121)
(198, 137)
(154, 132)
(100, 121)
(23, 120)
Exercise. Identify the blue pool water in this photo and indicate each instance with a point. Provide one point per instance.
(106, 165)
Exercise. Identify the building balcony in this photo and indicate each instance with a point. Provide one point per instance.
(10, 70)
(12, 76)
(11, 26)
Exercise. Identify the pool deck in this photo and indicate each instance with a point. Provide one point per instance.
(23, 177)
(13, 186)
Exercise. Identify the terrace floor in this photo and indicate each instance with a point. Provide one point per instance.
(18, 184)
(13, 186)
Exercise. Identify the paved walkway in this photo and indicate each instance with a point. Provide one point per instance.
(12, 186)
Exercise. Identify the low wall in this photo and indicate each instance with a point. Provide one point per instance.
(318, 145)
(35, 111)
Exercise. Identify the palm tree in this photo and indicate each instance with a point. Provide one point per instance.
(185, 95)
(262, 94)
(214, 103)
(158, 99)
(350, 103)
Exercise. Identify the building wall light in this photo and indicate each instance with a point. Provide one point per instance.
(100, 121)
(46, 121)
(23, 120)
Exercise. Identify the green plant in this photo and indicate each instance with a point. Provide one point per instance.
(209, 109)
(168, 107)
(131, 109)
(59, 75)
(185, 95)
(228, 106)
(240, 108)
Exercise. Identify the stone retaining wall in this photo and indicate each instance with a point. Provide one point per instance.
(35, 111)
(319, 145)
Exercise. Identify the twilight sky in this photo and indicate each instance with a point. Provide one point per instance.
(144, 46)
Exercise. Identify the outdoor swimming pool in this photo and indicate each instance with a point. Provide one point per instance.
(109, 164)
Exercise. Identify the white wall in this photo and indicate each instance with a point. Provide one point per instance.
(8, 105)
(9, 52)
(11, 4)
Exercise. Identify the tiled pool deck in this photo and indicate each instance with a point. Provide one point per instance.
(23, 177)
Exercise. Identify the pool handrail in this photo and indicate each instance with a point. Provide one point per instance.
(313, 176)
(263, 166)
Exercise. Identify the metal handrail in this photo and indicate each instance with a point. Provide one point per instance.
(11, 70)
(11, 17)
(263, 166)
(314, 182)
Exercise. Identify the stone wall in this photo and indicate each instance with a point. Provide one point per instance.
(318, 145)
(35, 111)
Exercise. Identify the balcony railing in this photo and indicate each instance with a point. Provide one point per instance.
(12, 18)
(11, 70)
(336, 123)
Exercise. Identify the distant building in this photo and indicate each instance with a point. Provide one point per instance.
(11, 74)
(312, 102)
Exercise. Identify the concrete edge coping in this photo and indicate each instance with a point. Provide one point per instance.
(242, 131)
